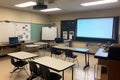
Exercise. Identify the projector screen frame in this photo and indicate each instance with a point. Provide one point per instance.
(102, 40)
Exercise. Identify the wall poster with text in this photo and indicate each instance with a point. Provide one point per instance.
(71, 34)
(65, 35)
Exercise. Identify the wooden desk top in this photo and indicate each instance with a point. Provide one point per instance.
(83, 50)
(31, 45)
(53, 63)
(41, 43)
(8, 45)
(22, 55)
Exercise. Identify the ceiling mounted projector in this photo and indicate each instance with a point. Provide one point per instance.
(40, 7)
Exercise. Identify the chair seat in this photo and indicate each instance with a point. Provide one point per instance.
(58, 52)
(73, 56)
(38, 71)
(35, 70)
(20, 63)
(69, 54)
(47, 75)
(55, 76)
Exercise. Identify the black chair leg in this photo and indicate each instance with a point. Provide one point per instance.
(31, 77)
(14, 70)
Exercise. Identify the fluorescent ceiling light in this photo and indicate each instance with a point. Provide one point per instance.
(50, 9)
(98, 2)
(26, 4)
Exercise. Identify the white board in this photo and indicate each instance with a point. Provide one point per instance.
(6, 31)
(49, 33)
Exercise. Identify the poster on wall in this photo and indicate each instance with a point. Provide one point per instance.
(65, 35)
(22, 31)
(71, 34)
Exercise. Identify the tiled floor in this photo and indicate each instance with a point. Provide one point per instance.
(79, 73)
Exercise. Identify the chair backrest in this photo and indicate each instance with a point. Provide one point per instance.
(68, 53)
(55, 50)
(45, 73)
(15, 62)
(59, 40)
(34, 69)
(12, 61)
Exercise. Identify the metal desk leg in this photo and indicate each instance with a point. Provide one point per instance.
(72, 72)
(51, 54)
(62, 75)
(86, 61)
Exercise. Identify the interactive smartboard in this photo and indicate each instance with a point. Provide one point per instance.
(49, 33)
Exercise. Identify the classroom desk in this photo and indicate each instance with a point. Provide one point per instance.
(31, 47)
(41, 44)
(79, 50)
(102, 63)
(6, 48)
(22, 55)
(55, 64)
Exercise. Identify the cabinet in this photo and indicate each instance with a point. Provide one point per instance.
(114, 62)
(109, 69)
(8, 48)
(113, 70)
(109, 62)
(101, 70)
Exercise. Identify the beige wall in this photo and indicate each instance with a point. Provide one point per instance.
(30, 17)
(23, 16)
(85, 14)
(96, 13)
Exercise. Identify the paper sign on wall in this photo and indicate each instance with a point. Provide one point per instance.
(65, 35)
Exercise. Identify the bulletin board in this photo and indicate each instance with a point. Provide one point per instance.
(68, 29)
(23, 31)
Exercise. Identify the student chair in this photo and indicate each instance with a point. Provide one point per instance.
(47, 75)
(69, 54)
(56, 51)
(18, 65)
(35, 70)
(59, 40)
